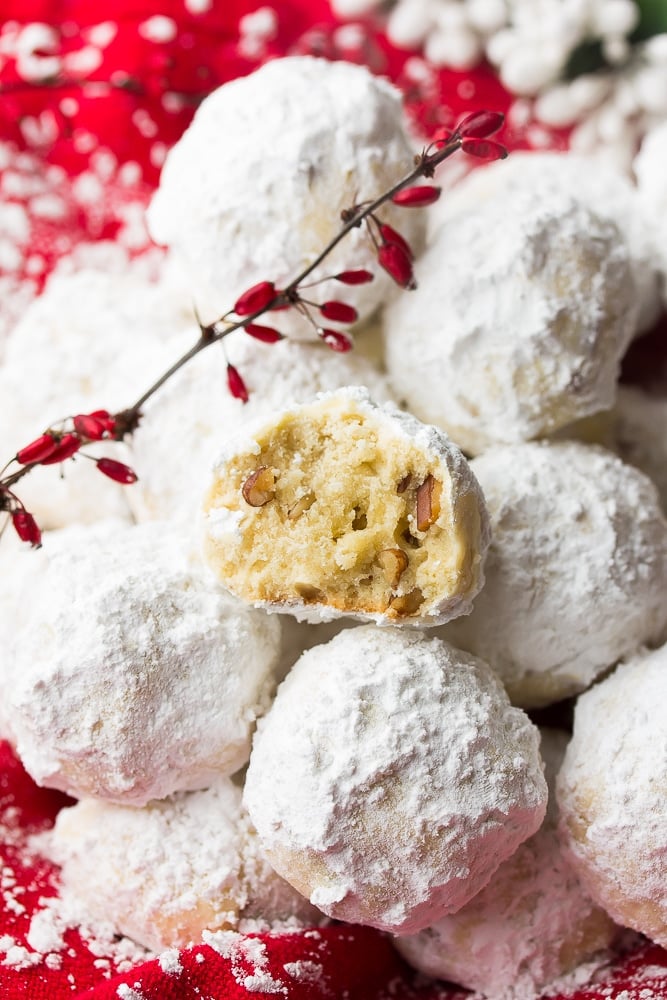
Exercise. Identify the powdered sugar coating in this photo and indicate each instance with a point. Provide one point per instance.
(139, 678)
(525, 307)
(462, 511)
(576, 569)
(532, 923)
(611, 794)
(253, 192)
(164, 873)
(391, 777)
(75, 342)
(596, 183)
(183, 429)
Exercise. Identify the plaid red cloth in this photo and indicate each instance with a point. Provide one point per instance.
(102, 93)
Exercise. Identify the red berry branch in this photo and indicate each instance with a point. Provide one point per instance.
(67, 439)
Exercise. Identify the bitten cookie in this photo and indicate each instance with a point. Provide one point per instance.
(343, 507)
(391, 777)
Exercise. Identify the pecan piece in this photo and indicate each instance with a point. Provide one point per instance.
(394, 562)
(259, 487)
(428, 503)
(303, 504)
(407, 604)
(310, 594)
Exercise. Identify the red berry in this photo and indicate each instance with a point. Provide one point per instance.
(417, 197)
(255, 298)
(336, 341)
(26, 527)
(37, 450)
(359, 277)
(264, 333)
(69, 444)
(339, 312)
(397, 263)
(485, 149)
(236, 385)
(88, 426)
(117, 471)
(105, 418)
(390, 235)
(480, 124)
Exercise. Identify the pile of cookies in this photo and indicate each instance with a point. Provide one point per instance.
(292, 673)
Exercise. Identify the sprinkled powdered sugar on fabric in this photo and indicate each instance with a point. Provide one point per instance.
(249, 961)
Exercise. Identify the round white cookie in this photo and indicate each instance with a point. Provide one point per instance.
(524, 309)
(575, 573)
(135, 675)
(254, 189)
(165, 873)
(611, 792)
(91, 341)
(595, 183)
(343, 507)
(530, 925)
(391, 777)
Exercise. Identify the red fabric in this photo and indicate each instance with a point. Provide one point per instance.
(57, 129)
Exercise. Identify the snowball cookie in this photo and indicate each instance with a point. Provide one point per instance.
(595, 183)
(523, 312)
(91, 341)
(611, 792)
(136, 676)
(649, 166)
(183, 427)
(531, 924)
(576, 571)
(254, 189)
(344, 507)
(391, 777)
(640, 434)
(167, 872)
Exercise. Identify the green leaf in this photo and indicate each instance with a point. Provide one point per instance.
(652, 19)
(586, 58)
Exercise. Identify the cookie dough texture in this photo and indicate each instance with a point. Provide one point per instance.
(524, 310)
(255, 188)
(184, 427)
(164, 873)
(611, 792)
(391, 777)
(135, 676)
(531, 924)
(576, 570)
(343, 507)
